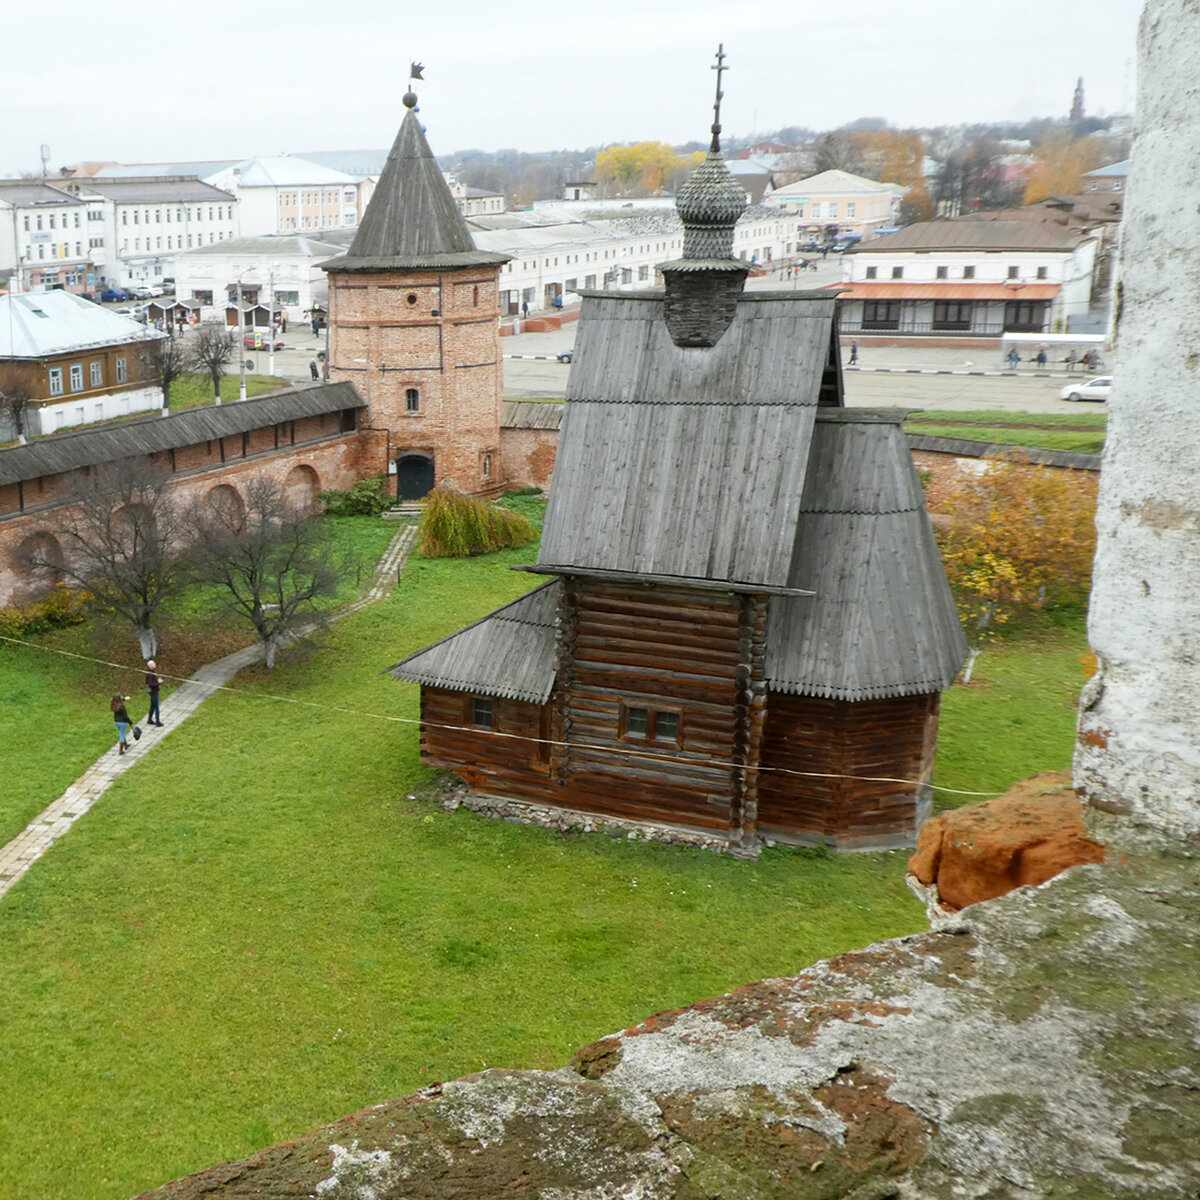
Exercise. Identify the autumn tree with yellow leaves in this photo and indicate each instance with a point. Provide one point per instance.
(1016, 537)
(643, 168)
(1061, 162)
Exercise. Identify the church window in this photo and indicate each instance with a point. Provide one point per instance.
(487, 466)
(412, 400)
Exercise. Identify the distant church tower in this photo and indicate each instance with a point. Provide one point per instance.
(1077, 104)
(414, 313)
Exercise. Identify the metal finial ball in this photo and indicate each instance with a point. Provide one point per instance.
(410, 99)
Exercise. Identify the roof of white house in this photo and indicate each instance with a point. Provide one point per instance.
(282, 170)
(24, 193)
(1117, 170)
(268, 245)
(836, 183)
(171, 190)
(971, 233)
(39, 324)
(362, 164)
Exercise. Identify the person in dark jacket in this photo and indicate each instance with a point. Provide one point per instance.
(120, 717)
(153, 683)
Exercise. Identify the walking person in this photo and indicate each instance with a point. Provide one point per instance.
(153, 682)
(854, 354)
(120, 715)
(1013, 359)
(312, 366)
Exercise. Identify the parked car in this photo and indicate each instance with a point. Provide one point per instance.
(109, 295)
(566, 356)
(812, 246)
(138, 293)
(1096, 388)
(259, 341)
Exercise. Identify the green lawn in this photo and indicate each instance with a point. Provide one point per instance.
(271, 921)
(193, 391)
(1081, 432)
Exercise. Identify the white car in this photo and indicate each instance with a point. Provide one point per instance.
(1096, 388)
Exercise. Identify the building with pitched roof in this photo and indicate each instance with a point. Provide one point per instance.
(414, 323)
(834, 202)
(747, 627)
(48, 238)
(968, 278)
(75, 361)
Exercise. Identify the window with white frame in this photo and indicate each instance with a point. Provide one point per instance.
(96, 373)
(122, 370)
(77, 377)
(56, 381)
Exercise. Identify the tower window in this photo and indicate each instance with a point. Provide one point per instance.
(412, 400)
(487, 466)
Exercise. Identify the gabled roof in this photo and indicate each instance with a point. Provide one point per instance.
(971, 233)
(38, 324)
(362, 164)
(63, 452)
(412, 221)
(686, 463)
(28, 192)
(882, 621)
(268, 245)
(508, 654)
(1117, 170)
(282, 170)
(835, 183)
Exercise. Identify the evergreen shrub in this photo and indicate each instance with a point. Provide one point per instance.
(457, 526)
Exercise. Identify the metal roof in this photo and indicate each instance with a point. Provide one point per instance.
(267, 245)
(62, 452)
(31, 192)
(412, 221)
(508, 654)
(970, 233)
(155, 191)
(282, 170)
(882, 621)
(35, 325)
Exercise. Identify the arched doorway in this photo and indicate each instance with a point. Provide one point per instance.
(414, 476)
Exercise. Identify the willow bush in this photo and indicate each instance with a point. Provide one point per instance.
(458, 526)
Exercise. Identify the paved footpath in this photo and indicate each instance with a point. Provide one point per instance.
(54, 821)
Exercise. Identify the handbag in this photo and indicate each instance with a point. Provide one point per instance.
(137, 732)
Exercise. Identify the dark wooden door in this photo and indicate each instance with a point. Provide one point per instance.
(414, 476)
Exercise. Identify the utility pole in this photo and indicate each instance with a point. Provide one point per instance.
(241, 347)
(271, 325)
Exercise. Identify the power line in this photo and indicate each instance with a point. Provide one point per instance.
(613, 751)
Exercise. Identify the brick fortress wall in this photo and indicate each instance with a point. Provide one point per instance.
(435, 334)
(308, 455)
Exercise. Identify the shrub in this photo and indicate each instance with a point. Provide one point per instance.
(367, 498)
(456, 526)
(61, 607)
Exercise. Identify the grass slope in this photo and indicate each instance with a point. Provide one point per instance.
(271, 922)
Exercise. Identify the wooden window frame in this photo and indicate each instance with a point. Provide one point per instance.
(478, 706)
(651, 737)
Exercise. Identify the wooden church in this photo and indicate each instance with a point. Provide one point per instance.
(747, 628)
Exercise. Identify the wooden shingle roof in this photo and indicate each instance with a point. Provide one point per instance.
(670, 456)
(882, 621)
(64, 452)
(508, 654)
(412, 221)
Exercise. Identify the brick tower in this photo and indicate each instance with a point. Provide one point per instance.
(414, 324)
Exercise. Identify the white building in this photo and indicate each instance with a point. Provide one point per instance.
(140, 225)
(968, 277)
(47, 238)
(274, 272)
(836, 202)
(283, 194)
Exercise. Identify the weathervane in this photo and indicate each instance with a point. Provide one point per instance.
(716, 125)
(414, 72)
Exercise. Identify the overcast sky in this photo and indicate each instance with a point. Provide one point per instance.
(147, 83)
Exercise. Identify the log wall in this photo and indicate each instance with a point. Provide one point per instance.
(851, 742)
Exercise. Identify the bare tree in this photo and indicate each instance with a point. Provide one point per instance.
(213, 349)
(273, 559)
(122, 536)
(15, 403)
(167, 361)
